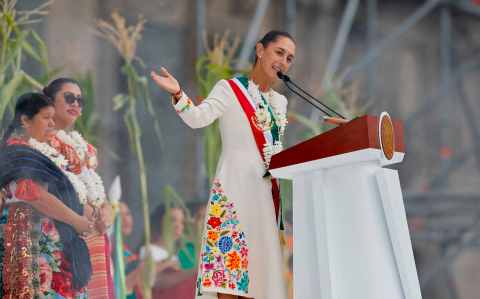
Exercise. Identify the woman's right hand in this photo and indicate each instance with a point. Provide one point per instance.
(83, 226)
(168, 82)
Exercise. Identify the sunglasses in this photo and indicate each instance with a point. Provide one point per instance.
(70, 98)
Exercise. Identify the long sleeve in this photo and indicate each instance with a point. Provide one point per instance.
(211, 108)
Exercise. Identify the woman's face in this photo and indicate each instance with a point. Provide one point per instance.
(278, 56)
(178, 222)
(126, 219)
(65, 113)
(41, 125)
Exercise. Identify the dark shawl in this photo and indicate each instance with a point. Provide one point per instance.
(21, 161)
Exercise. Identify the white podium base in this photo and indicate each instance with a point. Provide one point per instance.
(347, 242)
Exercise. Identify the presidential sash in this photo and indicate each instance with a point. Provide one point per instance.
(261, 137)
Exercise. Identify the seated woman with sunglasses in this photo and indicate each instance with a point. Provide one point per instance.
(42, 255)
(82, 160)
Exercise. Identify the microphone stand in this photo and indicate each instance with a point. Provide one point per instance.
(281, 77)
(286, 79)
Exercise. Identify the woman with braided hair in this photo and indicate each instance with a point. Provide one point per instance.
(43, 253)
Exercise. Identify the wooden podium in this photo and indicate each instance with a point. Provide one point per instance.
(350, 232)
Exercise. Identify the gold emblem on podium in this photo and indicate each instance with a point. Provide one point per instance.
(387, 137)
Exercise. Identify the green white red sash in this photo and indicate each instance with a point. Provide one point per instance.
(261, 138)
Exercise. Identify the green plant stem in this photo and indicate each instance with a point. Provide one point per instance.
(4, 49)
(141, 162)
(148, 274)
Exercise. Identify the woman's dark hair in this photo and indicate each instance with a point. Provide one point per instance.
(156, 220)
(272, 37)
(56, 85)
(30, 105)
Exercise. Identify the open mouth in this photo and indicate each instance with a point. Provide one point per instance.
(72, 112)
(277, 69)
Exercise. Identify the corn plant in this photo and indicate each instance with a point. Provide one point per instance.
(15, 45)
(125, 40)
(210, 69)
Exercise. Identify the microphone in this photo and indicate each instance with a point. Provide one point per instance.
(287, 79)
(281, 76)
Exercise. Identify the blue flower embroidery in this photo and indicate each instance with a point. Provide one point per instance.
(215, 197)
(207, 248)
(243, 283)
(225, 243)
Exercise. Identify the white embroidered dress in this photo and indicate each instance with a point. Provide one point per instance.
(240, 253)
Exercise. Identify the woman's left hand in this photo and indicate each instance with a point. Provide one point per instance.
(104, 217)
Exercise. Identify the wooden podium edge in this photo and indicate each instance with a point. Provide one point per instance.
(358, 134)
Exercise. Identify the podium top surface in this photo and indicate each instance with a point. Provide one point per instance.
(359, 134)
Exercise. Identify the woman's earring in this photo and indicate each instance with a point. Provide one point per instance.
(260, 56)
(26, 127)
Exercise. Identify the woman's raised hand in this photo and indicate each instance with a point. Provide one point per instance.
(168, 82)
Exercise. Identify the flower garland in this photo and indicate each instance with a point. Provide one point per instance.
(61, 162)
(95, 189)
(75, 140)
(92, 181)
(265, 120)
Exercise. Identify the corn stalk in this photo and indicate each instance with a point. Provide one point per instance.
(125, 40)
(217, 65)
(14, 46)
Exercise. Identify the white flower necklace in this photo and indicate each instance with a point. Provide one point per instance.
(61, 162)
(92, 181)
(264, 119)
(75, 140)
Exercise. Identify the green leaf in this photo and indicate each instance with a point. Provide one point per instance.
(223, 233)
(31, 51)
(13, 52)
(119, 100)
(34, 83)
(8, 90)
(223, 213)
(129, 71)
(43, 50)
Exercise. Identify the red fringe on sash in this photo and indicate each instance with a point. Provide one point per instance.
(26, 190)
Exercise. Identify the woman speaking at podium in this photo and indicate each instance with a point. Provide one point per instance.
(240, 255)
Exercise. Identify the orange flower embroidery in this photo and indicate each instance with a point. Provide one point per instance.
(233, 261)
(244, 264)
(213, 235)
(207, 283)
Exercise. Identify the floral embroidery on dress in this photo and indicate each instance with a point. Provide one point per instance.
(186, 108)
(55, 274)
(21, 248)
(224, 263)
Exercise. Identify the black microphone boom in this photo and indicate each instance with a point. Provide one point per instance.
(286, 79)
(280, 75)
